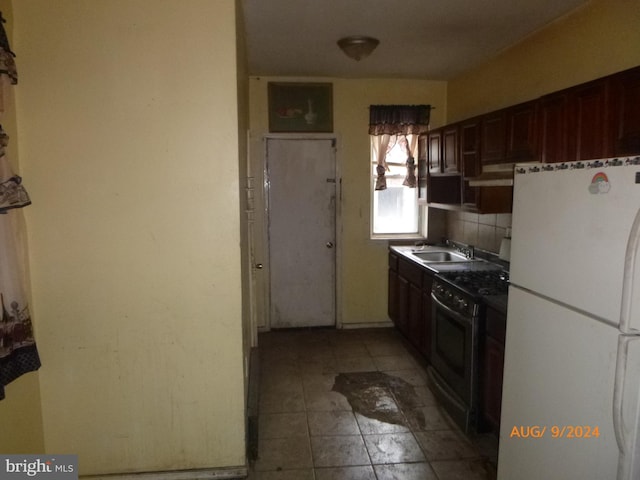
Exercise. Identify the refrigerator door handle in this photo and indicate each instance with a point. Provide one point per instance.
(626, 407)
(627, 282)
(618, 392)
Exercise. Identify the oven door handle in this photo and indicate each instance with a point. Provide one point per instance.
(457, 315)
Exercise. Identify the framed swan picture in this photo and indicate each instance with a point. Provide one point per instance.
(300, 107)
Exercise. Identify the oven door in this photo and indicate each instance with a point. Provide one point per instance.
(454, 358)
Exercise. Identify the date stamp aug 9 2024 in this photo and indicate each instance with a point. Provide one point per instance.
(555, 431)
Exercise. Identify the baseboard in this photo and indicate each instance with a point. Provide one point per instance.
(347, 326)
(253, 401)
(229, 473)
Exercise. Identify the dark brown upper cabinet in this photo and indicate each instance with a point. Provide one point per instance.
(493, 134)
(589, 121)
(522, 140)
(625, 90)
(470, 158)
(553, 127)
(443, 150)
(574, 124)
(509, 135)
(596, 119)
(435, 151)
(443, 181)
(450, 151)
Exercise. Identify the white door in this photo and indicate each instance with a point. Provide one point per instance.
(301, 185)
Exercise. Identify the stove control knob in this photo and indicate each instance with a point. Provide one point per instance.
(457, 301)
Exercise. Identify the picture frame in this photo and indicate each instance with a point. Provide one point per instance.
(300, 107)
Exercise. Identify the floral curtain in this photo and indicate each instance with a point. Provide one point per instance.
(386, 123)
(18, 352)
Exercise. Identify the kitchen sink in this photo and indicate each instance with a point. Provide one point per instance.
(440, 257)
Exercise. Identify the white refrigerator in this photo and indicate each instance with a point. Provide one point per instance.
(571, 394)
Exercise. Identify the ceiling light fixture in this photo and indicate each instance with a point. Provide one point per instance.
(357, 46)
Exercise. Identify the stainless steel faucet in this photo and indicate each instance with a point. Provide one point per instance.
(468, 251)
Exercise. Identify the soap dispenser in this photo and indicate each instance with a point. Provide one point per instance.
(505, 246)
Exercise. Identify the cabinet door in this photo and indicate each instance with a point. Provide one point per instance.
(415, 330)
(552, 127)
(626, 112)
(493, 131)
(522, 141)
(392, 303)
(427, 306)
(491, 368)
(470, 158)
(491, 380)
(435, 151)
(423, 167)
(495, 199)
(589, 121)
(450, 152)
(444, 189)
(403, 305)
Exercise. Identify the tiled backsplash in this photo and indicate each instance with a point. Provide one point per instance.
(482, 231)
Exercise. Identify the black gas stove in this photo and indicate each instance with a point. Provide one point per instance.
(459, 305)
(466, 291)
(474, 283)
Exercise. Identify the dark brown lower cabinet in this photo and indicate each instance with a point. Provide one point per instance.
(410, 302)
(415, 330)
(491, 369)
(427, 306)
(402, 322)
(392, 305)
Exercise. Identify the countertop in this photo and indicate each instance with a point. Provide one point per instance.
(498, 302)
(476, 264)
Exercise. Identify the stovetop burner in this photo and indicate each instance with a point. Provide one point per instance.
(492, 282)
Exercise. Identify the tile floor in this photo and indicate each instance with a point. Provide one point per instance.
(387, 426)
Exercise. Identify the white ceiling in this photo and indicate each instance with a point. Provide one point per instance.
(432, 39)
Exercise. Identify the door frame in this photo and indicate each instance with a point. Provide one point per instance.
(263, 293)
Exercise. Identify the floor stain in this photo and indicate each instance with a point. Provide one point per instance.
(377, 395)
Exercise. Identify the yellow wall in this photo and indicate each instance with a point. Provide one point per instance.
(362, 267)
(594, 41)
(127, 113)
(21, 417)
(20, 413)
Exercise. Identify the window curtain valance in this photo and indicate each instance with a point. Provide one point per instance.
(387, 121)
(398, 119)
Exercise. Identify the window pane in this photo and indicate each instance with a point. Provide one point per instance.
(395, 210)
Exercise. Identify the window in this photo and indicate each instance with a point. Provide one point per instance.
(394, 131)
(395, 208)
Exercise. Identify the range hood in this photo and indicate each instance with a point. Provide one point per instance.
(498, 175)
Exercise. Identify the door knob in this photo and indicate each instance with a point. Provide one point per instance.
(329, 244)
(259, 266)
